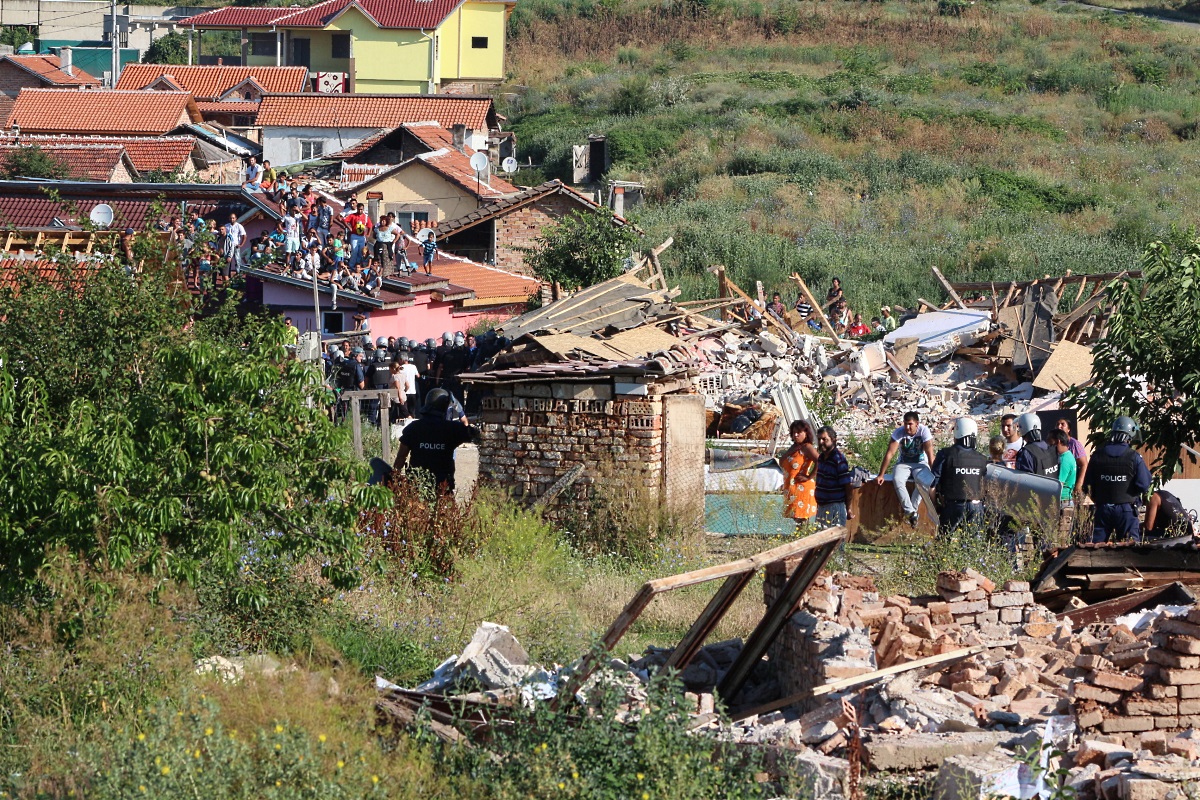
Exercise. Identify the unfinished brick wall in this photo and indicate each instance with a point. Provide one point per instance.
(13, 79)
(534, 433)
(522, 227)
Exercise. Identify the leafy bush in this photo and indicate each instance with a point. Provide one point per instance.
(581, 249)
(633, 96)
(1019, 193)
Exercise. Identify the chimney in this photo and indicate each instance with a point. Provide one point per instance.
(458, 136)
(64, 61)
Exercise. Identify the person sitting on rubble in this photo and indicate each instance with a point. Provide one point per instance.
(1116, 479)
(1166, 517)
(834, 481)
(776, 306)
(958, 472)
(799, 465)
(886, 319)
(858, 330)
(915, 445)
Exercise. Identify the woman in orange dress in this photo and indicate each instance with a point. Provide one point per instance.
(799, 465)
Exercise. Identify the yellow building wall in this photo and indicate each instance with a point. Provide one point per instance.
(385, 61)
(457, 59)
(418, 184)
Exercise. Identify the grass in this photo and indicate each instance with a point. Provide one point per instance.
(871, 140)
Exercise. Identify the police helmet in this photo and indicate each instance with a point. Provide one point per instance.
(381, 355)
(402, 343)
(331, 349)
(381, 341)
(965, 431)
(436, 402)
(338, 356)
(358, 351)
(1124, 430)
(459, 339)
(431, 343)
(1029, 425)
(447, 337)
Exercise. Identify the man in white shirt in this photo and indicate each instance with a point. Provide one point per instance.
(237, 240)
(404, 379)
(915, 443)
(1012, 438)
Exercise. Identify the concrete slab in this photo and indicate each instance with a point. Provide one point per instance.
(925, 750)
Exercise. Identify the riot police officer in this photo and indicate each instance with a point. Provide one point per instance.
(423, 361)
(958, 472)
(1036, 457)
(350, 377)
(1116, 479)
(379, 377)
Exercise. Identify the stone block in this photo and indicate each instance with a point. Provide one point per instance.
(1016, 586)
(955, 582)
(1090, 661)
(1116, 681)
(963, 607)
(1189, 645)
(1090, 718)
(1180, 627)
(978, 777)
(1092, 751)
(820, 775)
(1103, 696)
(1127, 724)
(1179, 677)
(1189, 692)
(1134, 787)
(984, 582)
(1167, 722)
(1040, 630)
(1010, 599)
(1141, 706)
(1169, 658)
(1010, 616)
(925, 750)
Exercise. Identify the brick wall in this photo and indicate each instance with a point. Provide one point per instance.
(535, 433)
(13, 79)
(520, 228)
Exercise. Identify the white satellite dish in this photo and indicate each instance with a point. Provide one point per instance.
(101, 216)
(509, 165)
(479, 162)
(424, 234)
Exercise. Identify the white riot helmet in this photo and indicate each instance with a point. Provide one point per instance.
(459, 339)
(447, 338)
(965, 431)
(1029, 425)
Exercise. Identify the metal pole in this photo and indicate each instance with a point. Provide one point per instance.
(316, 307)
(115, 46)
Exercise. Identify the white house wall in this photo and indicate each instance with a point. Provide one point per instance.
(281, 145)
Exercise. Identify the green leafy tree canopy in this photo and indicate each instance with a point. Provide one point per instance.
(1148, 364)
(582, 249)
(169, 49)
(33, 162)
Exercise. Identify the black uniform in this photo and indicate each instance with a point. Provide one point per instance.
(1116, 479)
(1037, 458)
(454, 363)
(958, 474)
(379, 376)
(420, 360)
(1172, 518)
(431, 441)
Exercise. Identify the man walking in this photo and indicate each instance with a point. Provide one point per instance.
(958, 472)
(834, 491)
(1116, 479)
(915, 444)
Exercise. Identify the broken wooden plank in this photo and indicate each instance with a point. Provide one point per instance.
(858, 680)
(1108, 610)
(825, 323)
(937, 273)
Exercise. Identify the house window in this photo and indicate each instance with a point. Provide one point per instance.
(262, 44)
(331, 322)
(341, 45)
(311, 148)
(479, 42)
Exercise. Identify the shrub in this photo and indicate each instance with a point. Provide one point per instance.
(1019, 193)
(632, 97)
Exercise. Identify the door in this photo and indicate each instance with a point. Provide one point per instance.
(300, 52)
(579, 163)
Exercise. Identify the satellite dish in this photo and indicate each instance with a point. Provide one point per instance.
(509, 165)
(479, 162)
(101, 216)
(26, 48)
(424, 234)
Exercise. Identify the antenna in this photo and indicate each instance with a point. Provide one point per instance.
(101, 216)
(509, 165)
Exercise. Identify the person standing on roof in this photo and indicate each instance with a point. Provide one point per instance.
(915, 444)
(237, 235)
(428, 250)
(1116, 479)
(359, 226)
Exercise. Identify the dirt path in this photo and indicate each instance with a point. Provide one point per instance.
(1161, 17)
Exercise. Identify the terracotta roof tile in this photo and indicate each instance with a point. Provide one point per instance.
(359, 147)
(100, 111)
(85, 162)
(407, 14)
(374, 111)
(227, 107)
(208, 83)
(456, 167)
(488, 283)
(513, 201)
(23, 205)
(12, 269)
(148, 153)
(49, 68)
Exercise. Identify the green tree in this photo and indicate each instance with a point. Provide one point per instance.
(1147, 366)
(33, 162)
(132, 443)
(170, 49)
(582, 249)
(17, 35)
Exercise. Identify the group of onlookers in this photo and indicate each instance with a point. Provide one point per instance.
(845, 322)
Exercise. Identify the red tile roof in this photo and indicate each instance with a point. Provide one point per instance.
(84, 162)
(101, 111)
(359, 147)
(45, 270)
(406, 14)
(227, 107)
(488, 283)
(210, 82)
(375, 111)
(148, 153)
(514, 201)
(456, 167)
(49, 69)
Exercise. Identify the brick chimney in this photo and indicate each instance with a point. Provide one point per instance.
(64, 61)
(459, 134)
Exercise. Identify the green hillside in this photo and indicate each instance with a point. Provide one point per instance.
(871, 140)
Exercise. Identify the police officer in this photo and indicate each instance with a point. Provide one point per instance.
(958, 472)
(1116, 479)
(1036, 456)
(1166, 516)
(423, 360)
(379, 377)
(350, 377)
(428, 442)
(439, 358)
(454, 362)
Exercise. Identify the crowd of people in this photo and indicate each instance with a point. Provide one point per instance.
(845, 321)
(818, 483)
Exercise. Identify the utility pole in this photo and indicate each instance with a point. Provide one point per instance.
(116, 52)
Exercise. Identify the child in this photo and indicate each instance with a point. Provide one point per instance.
(996, 450)
(1061, 442)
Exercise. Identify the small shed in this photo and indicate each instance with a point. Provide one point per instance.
(564, 425)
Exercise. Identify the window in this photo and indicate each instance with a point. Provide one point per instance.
(331, 322)
(262, 44)
(311, 148)
(479, 42)
(406, 214)
(341, 45)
